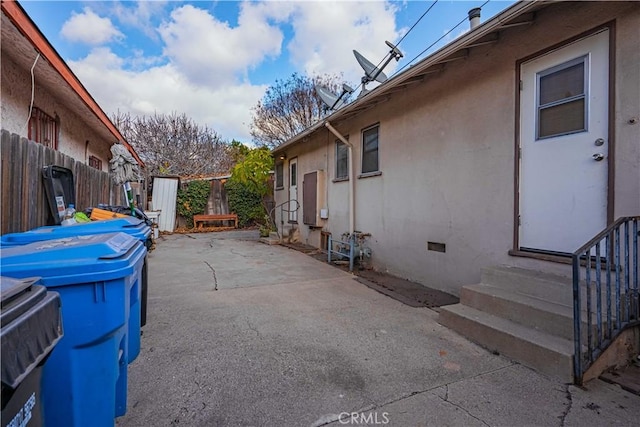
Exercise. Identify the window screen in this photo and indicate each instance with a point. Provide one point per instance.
(342, 160)
(370, 150)
(279, 175)
(562, 99)
(293, 179)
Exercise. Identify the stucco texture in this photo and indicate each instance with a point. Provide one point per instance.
(447, 154)
(74, 131)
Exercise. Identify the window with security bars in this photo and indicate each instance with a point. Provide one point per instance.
(43, 128)
(95, 162)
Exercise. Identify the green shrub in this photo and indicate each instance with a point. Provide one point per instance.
(244, 202)
(192, 200)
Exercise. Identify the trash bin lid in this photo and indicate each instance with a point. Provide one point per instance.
(135, 227)
(74, 260)
(10, 287)
(59, 188)
(31, 326)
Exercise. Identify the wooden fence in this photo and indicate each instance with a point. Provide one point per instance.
(24, 202)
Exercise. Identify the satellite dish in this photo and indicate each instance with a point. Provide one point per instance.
(371, 71)
(332, 101)
(328, 98)
(395, 52)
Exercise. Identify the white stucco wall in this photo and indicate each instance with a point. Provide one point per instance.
(447, 149)
(627, 107)
(74, 132)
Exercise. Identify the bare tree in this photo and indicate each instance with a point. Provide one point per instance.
(289, 107)
(175, 145)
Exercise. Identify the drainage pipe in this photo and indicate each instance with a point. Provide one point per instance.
(352, 180)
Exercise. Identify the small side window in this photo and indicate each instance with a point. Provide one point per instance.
(293, 178)
(95, 162)
(370, 150)
(279, 176)
(43, 128)
(342, 160)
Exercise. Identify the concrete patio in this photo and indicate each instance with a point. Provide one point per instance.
(244, 334)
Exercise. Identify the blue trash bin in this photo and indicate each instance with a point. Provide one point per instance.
(84, 382)
(134, 227)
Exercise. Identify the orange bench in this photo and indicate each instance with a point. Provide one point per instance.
(198, 220)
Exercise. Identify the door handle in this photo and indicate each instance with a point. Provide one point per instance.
(598, 157)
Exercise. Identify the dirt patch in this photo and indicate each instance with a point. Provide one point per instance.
(186, 230)
(407, 292)
(627, 377)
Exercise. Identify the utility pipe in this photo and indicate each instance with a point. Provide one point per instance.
(352, 180)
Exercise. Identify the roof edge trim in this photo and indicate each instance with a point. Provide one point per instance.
(27, 27)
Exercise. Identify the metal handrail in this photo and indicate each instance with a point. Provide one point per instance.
(620, 307)
(350, 243)
(282, 211)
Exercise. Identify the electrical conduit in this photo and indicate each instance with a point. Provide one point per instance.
(352, 180)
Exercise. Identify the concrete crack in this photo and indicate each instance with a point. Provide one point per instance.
(564, 415)
(253, 328)
(233, 251)
(215, 279)
(446, 399)
(334, 418)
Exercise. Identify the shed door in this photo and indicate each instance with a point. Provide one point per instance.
(564, 147)
(164, 196)
(293, 190)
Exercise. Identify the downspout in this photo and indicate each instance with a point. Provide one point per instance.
(352, 180)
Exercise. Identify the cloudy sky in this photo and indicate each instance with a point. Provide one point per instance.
(214, 60)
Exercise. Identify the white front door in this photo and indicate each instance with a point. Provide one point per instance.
(564, 147)
(293, 190)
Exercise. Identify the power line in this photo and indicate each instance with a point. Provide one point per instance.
(432, 44)
(436, 42)
(410, 29)
(418, 21)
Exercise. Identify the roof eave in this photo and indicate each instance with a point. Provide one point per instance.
(30, 31)
(473, 35)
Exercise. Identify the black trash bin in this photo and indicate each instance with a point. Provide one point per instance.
(60, 190)
(31, 327)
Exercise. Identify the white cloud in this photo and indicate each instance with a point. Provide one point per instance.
(140, 15)
(164, 89)
(206, 62)
(327, 32)
(89, 28)
(211, 52)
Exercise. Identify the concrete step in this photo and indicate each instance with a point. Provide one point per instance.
(541, 314)
(269, 240)
(536, 284)
(546, 353)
